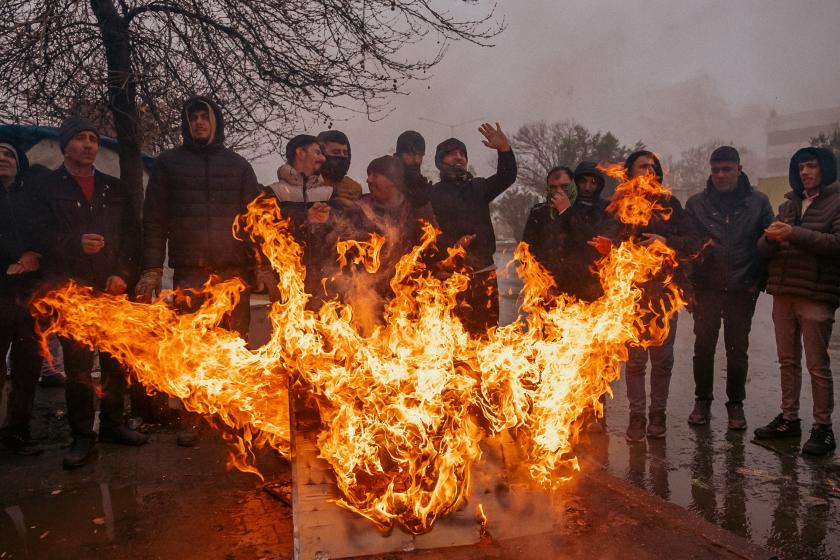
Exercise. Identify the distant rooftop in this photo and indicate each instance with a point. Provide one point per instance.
(787, 133)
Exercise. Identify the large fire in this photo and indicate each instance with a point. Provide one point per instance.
(404, 407)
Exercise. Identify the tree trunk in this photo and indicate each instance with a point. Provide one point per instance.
(122, 97)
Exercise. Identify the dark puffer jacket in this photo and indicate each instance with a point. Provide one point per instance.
(807, 264)
(733, 222)
(24, 221)
(109, 214)
(464, 209)
(194, 194)
(561, 242)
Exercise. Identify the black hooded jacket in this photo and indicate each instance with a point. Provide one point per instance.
(23, 223)
(464, 209)
(573, 264)
(807, 263)
(732, 223)
(195, 192)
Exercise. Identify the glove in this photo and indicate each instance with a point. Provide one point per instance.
(149, 284)
(266, 281)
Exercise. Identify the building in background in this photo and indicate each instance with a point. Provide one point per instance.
(785, 135)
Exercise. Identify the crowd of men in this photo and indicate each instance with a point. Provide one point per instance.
(76, 223)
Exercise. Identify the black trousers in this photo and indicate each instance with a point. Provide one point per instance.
(78, 363)
(478, 305)
(17, 337)
(736, 309)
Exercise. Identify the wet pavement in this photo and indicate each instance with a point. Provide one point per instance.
(776, 498)
(161, 501)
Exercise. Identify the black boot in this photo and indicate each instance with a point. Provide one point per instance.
(82, 452)
(123, 435)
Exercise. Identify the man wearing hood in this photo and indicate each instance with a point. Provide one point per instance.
(727, 279)
(411, 149)
(94, 241)
(461, 204)
(803, 248)
(336, 149)
(195, 192)
(21, 246)
(584, 224)
(674, 228)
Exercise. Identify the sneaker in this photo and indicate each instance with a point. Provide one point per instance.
(636, 428)
(82, 452)
(737, 421)
(656, 425)
(821, 442)
(701, 414)
(23, 446)
(779, 428)
(122, 435)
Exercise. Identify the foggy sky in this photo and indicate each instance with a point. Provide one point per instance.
(670, 73)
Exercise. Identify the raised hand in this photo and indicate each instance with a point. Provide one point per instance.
(494, 137)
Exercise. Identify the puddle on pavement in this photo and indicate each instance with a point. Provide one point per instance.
(87, 517)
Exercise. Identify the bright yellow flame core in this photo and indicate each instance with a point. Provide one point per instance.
(402, 410)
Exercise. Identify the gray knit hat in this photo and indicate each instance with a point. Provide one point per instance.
(71, 127)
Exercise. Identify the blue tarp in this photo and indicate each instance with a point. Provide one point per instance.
(27, 136)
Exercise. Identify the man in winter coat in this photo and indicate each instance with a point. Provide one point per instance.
(195, 192)
(411, 149)
(21, 246)
(727, 279)
(336, 149)
(584, 225)
(307, 201)
(94, 242)
(676, 230)
(461, 204)
(803, 248)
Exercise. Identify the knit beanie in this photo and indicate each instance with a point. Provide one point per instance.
(71, 127)
(411, 142)
(390, 167)
(448, 146)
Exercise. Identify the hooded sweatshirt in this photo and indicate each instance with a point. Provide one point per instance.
(807, 263)
(22, 224)
(194, 194)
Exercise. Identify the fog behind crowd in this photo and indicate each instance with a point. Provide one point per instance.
(671, 74)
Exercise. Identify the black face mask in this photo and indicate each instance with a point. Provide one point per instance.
(335, 168)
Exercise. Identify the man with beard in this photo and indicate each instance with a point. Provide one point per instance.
(336, 149)
(194, 195)
(411, 149)
(94, 241)
(461, 204)
(675, 229)
(727, 279)
(22, 223)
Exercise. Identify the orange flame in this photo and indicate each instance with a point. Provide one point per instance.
(404, 407)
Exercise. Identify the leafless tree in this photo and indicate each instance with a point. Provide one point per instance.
(269, 63)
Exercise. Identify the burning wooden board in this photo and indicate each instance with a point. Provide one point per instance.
(323, 530)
